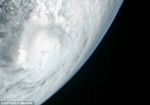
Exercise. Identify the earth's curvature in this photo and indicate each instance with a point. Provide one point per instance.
(43, 43)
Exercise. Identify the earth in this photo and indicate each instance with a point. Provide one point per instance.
(43, 43)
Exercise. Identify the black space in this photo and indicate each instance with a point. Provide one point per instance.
(112, 69)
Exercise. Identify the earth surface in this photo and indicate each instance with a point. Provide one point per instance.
(43, 43)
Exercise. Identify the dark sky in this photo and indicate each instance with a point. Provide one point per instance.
(112, 69)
